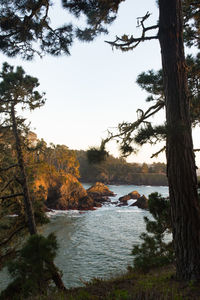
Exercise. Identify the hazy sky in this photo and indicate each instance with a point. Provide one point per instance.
(94, 89)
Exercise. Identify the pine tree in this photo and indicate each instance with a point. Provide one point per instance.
(19, 89)
(16, 89)
(22, 23)
(181, 170)
(155, 250)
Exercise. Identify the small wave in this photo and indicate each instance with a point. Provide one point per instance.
(132, 210)
(106, 207)
(53, 212)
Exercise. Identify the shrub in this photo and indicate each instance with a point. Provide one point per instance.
(31, 270)
(154, 250)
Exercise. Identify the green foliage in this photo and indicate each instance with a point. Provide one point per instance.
(62, 158)
(126, 149)
(151, 81)
(154, 250)
(191, 23)
(118, 171)
(150, 134)
(17, 88)
(98, 15)
(95, 155)
(22, 23)
(31, 271)
(143, 131)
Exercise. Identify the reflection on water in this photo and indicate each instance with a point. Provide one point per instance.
(98, 243)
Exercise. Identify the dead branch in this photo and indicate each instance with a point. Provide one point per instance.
(157, 153)
(125, 43)
(12, 235)
(8, 168)
(11, 196)
(6, 185)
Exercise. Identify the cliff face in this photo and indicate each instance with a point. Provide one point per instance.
(63, 191)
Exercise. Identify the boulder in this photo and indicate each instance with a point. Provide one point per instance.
(125, 198)
(86, 203)
(100, 192)
(100, 189)
(133, 195)
(141, 202)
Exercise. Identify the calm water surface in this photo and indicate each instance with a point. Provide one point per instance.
(97, 243)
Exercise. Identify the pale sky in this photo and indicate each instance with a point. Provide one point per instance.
(94, 89)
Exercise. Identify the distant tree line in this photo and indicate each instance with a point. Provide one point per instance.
(118, 171)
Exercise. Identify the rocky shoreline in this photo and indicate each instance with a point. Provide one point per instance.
(71, 195)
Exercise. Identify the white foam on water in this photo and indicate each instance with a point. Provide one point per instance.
(130, 202)
(54, 212)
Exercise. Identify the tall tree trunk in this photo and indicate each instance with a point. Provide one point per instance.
(27, 199)
(56, 277)
(181, 170)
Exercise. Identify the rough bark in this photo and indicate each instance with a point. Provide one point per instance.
(181, 169)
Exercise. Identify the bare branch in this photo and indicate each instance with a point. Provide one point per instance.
(6, 185)
(157, 153)
(125, 43)
(11, 196)
(12, 235)
(10, 167)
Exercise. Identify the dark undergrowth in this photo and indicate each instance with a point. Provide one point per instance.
(158, 283)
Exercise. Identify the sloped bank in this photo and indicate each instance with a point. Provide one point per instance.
(158, 284)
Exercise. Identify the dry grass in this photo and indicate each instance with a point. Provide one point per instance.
(158, 284)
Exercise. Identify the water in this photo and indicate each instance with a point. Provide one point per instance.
(97, 243)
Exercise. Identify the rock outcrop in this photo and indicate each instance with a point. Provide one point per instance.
(64, 192)
(125, 198)
(100, 192)
(69, 194)
(141, 202)
(132, 195)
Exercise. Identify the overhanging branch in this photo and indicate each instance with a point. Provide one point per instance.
(158, 152)
(126, 43)
(126, 129)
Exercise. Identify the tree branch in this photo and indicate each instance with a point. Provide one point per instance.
(11, 196)
(6, 185)
(12, 235)
(10, 167)
(157, 153)
(125, 129)
(125, 43)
